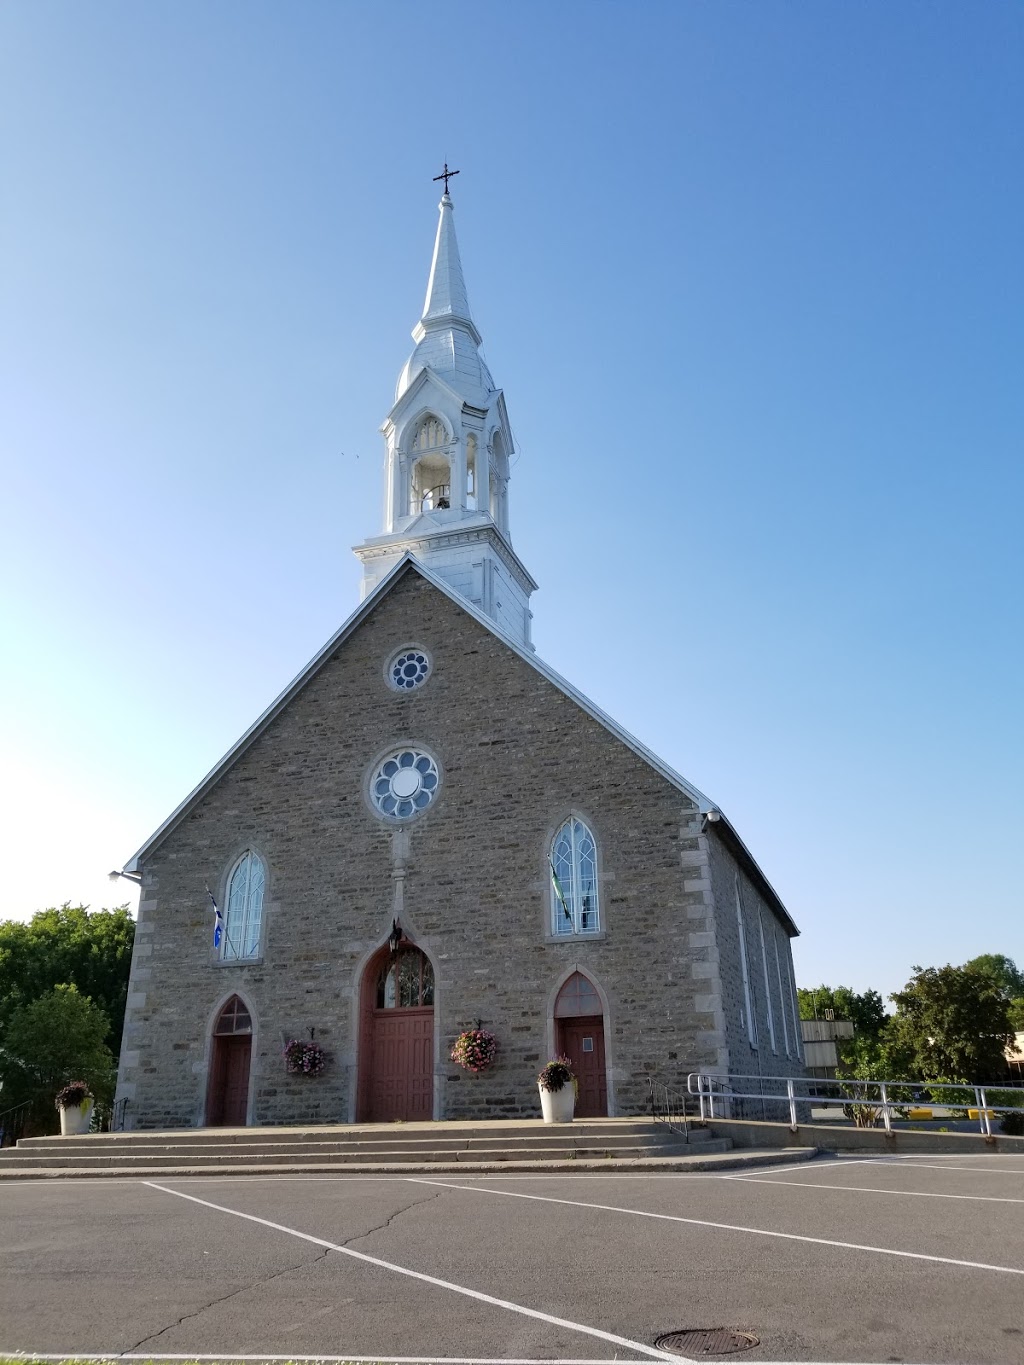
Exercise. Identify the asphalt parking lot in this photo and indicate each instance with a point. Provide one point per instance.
(916, 1260)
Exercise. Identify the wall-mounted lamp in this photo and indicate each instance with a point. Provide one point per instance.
(395, 937)
(128, 876)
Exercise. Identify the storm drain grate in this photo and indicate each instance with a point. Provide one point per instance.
(707, 1341)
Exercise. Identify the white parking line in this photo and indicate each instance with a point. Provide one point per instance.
(370, 1360)
(868, 1189)
(647, 1351)
(725, 1227)
(930, 1166)
(356, 1360)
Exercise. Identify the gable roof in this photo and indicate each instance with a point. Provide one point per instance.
(718, 823)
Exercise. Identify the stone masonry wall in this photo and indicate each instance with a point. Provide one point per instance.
(468, 876)
(744, 1057)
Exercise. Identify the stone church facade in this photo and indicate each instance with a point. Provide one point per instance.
(430, 831)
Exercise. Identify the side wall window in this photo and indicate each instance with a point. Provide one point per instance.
(245, 909)
(574, 900)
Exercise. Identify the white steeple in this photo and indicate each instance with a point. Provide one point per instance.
(448, 445)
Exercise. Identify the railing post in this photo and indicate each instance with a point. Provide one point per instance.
(986, 1122)
(886, 1116)
(792, 1104)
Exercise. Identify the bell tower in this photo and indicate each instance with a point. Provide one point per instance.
(448, 443)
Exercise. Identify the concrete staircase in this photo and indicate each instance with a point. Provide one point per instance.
(519, 1145)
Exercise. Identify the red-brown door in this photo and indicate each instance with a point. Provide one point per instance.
(401, 1079)
(228, 1096)
(582, 1041)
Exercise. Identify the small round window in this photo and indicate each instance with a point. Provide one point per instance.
(405, 783)
(410, 669)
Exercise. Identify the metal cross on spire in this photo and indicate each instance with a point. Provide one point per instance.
(446, 175)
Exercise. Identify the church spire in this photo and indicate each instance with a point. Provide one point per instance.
(447, 300)
(449, 445)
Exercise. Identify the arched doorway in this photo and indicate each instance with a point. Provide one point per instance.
(396, 1050)
(227, 1094)
(579, 1035)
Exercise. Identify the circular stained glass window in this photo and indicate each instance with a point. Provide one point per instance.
(405, 783)
(409, 670)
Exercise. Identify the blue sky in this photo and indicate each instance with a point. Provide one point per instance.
(751, 278)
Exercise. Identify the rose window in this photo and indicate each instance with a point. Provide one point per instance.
(409, 670)
(405, 783)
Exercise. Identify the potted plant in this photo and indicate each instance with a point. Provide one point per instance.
(74, 1104)
(557, 1084)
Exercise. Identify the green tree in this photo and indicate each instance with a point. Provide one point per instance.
(1010, 978)
(56, 1038)
(68, 945)
(1001, 969)
(951, 1024)
(866, 1011)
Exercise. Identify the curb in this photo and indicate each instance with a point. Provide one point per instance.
(647, 1165)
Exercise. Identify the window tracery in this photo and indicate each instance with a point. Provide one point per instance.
(244, 915)
(574, 894)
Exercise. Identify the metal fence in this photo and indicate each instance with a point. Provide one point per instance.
(12, 1123)
(797, 1094)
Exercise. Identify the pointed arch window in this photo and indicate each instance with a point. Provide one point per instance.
(244, 917)
(574, 895)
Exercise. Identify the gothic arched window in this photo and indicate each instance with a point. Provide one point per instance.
(244, 915)
(574, 904)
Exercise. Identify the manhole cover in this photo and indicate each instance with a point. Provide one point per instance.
(707, 1341)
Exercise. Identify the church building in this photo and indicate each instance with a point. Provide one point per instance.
(431, 831)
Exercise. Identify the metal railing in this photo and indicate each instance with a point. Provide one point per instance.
(884, 1097)
(12, 1123)
(117, 1116)
(669, 1106)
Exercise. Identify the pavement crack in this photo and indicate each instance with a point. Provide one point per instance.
(222, 1298)
(388, 1221)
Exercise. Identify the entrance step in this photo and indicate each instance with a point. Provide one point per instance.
(340, 1149)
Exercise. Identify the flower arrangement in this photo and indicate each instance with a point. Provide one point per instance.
(556, 1074)
(475, 1049)
(304, 1057)
(74, 1095)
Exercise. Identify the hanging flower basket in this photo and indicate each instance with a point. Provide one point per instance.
(475, 1050)
(304, 1058)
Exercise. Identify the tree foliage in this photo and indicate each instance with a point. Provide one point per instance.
(68, 946)
(63, 988)
(1003, 970)
(951, 1024)
(56, 1038)
(866, 1011)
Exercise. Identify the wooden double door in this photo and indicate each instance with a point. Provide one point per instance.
(581, 1039)
(401, 1056)
(396, 1046)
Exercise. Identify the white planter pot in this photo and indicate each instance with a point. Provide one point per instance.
(557, 1106)
(76, 1119)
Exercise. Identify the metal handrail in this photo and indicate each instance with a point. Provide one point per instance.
(12, 1123)
(709, 1085)
(668, 1106)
